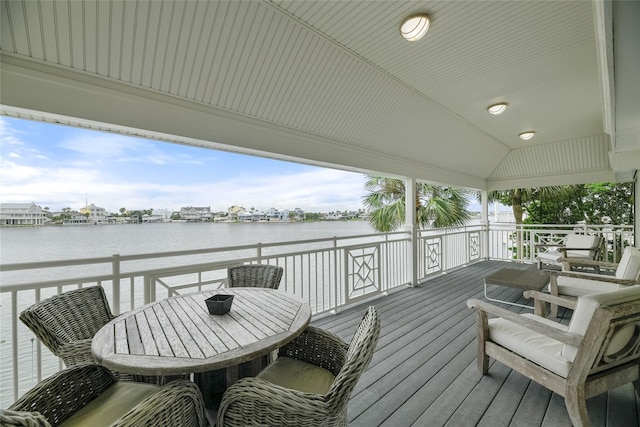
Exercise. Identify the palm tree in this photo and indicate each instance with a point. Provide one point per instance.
(436, 206)
(518, 197)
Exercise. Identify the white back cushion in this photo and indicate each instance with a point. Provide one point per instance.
(586, 307)
(577, 287)
(581, 241)
(629, 266)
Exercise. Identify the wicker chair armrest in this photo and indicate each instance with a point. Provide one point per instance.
(178, 403)
(539, 327)
(76, 353)
(253, 401)
(318, 347)
(22, 419)
(64, 393)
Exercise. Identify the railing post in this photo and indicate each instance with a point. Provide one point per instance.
(259, 252)
(14, 342)
(336, 275)
(148, 294)
(115, 270)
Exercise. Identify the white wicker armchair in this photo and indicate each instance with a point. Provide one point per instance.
(308, 385)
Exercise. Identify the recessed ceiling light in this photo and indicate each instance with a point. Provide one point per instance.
(414, 27)
(527, 135)
(496, 109)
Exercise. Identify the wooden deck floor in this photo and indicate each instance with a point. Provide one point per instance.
(424, 371)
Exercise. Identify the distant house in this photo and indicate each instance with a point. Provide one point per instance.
(244, 216)
(75, 219)
(276, 215)
(23, 214)
(96, 214)
(152, 218)
(164, 213)
(298, 214)
(196, 214)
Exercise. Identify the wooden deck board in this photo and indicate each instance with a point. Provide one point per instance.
(424, 370)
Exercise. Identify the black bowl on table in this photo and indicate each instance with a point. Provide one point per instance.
(219, 304)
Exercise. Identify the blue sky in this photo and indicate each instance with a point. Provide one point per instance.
(59, 166)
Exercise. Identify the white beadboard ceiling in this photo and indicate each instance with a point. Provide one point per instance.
(333, 83)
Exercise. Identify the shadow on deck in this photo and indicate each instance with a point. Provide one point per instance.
(424, 370)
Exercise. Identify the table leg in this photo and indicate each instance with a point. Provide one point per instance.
(233, 372)
(502, 301)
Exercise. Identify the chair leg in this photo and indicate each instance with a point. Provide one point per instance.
(553, 290)
(483, 362)
(577, 408)
(483, 335)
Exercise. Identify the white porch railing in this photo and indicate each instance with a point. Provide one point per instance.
(327, 273)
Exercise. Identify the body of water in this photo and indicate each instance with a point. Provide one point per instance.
(28, 244)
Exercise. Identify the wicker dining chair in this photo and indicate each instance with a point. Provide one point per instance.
(255, 276)
(89, 395)
(66, 323)
(308, 385)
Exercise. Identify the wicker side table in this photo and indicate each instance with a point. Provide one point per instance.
(527, 280)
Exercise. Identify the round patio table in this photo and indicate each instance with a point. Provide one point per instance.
(178, 335)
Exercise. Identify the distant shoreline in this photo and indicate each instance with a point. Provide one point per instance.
(179, 221)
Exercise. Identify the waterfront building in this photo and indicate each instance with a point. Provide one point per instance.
(196, 214)
(94, 211)
(76, 219)
(23, 214)
(164, 213)
(298, 214)
(273, 214)
(96, 215)
(152, 218)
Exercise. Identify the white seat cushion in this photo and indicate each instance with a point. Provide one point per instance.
(586, 307)
(536, 347)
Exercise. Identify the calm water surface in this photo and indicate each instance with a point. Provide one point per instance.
(68, 242)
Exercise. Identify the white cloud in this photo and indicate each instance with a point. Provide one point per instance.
(115, 171)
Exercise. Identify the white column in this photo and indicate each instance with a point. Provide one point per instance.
(411, 226)
(484, 221)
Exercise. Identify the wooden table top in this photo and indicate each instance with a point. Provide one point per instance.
(178, 335)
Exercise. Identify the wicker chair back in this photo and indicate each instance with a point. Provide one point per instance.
(68, 318)
(255, 276)
(361, 349)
